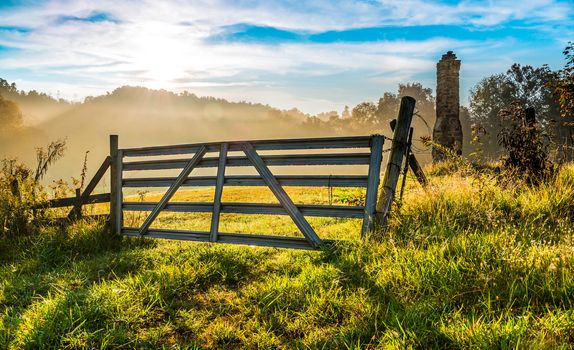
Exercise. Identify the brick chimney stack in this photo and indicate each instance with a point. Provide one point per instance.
(447, 130)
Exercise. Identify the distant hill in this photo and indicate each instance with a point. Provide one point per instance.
(35, 106)
(144, 117)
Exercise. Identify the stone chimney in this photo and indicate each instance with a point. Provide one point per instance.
(447, 130)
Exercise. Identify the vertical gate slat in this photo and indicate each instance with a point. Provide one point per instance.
(113, 184)
(281, 195)
(377, 142)
(218, 192)
(119, 193)
(172, 189)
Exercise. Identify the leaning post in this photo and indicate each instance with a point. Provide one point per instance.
(413, 161)
(114, 203)
(398, 151)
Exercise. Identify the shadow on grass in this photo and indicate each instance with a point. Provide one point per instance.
(353, 294)
(490, 284)
(65, 258)
(393, 319)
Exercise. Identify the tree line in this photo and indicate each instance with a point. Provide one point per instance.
(549, 92)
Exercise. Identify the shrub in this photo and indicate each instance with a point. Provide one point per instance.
(525, 144)
(350, 197)
(21, 191)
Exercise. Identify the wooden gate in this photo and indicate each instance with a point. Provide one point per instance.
(361, 150)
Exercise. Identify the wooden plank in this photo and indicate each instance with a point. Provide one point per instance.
(254, 180)
(281, 195)
(91, 186)
(97, 198)
(70, 201)
(199, 236)
(182, 207)
(171, 191)
(373, 186)
(272, 160)
(417, 170)
(229, 238)
(398, 149)
(413, 162)
(406, 168)
(119, 195)
(114, 189)
(338, 211)
(260, 145)
(57, 203)
(218, 192)
(267, 241)
(76, 211)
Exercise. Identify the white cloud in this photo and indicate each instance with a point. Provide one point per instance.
(318, 15)
(162, 44)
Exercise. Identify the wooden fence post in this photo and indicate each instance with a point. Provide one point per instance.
(114, 203)
(406, 169)
(413, 162)
(398, 151)
(77, 210)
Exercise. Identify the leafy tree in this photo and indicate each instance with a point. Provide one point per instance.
(327, 115)
(565, 83)
(564, 89)
(7, 88)
(389, 103)
(467, 131)
(370, 117)
(10, 115)
(346, 114)
(365, 113)
(10, 91)
(425, 106)
(525, 84)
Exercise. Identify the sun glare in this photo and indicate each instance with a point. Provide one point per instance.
(160, 55)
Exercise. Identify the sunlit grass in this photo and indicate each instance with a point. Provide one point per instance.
(328, 228)
(467, 263)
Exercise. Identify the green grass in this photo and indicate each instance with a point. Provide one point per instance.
(331, 228)
(466, 264)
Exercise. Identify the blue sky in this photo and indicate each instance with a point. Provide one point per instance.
(313, 55)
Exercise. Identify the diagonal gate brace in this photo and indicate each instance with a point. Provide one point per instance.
(172, 189)
(281, 195)
(213, 234)
(77, 209)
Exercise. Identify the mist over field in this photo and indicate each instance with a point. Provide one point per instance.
(146, 117)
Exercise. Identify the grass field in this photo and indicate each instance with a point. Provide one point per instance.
(468, 263)
(331, 228)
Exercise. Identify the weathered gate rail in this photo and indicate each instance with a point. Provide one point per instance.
(261, 163)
